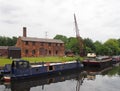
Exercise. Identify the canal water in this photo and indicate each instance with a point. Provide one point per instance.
(86, 80)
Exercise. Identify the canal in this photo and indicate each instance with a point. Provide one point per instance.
(85, 80)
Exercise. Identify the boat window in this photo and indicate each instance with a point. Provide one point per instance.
(37, 70)
(51, 68)
(14, 65)
(62, 67)
(23, 65)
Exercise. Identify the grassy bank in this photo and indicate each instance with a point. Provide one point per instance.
(4, 61)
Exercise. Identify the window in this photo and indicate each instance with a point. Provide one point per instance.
(33, 52)
(57, 44)
(56, 52)
(26, 42)
(51, 68)
(23, 65)
(26, 51)
(49, 51)
(61, 44)
(49, 44)
(46, 51)
(42, 44)
(33, 43)
(14, 64)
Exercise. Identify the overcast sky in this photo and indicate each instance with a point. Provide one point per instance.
(97, 19)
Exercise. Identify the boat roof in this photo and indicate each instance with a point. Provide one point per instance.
(115, 56)
(20, 60)
(51, 64)
(102, 57)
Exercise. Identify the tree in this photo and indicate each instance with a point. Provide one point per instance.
(73, 45)
(7, 41)
(89, 44)
(119, 45)
(110, 47)
(113, 44)
(61, 37)
(98, 47)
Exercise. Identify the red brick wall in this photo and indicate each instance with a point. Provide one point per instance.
(40, 49)
(3, 52)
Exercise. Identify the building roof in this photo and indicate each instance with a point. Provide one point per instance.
(3, 47)
(9, 47)
(13, 48)
(41, 40)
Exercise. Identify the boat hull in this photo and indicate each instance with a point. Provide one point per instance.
(45, 74)
(42, 70)
(97, 64)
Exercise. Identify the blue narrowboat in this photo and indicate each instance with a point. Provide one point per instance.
(21, 69)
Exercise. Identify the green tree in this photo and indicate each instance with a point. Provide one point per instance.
(89, 45)
(98, 47)
(7, 41)
(119, 45)
(113, 46)
(110, 47)
(73, 45)
(61, 37)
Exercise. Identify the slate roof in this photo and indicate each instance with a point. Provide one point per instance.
(9, 47)
(3, 47)
(13, 48)
(41, 40)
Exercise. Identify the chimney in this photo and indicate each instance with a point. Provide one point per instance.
(24, 32)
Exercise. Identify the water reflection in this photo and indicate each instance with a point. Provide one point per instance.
(114, 71)
(93, 72)
(86, 80)
(26, 85)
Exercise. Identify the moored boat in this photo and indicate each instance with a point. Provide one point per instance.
(27, 84)
(21, 69)
(115, 59)
(100, 62)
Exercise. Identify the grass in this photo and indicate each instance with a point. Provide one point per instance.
(4, 61)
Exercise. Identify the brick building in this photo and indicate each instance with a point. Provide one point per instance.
(31, 46)
(3, 51)
(10, 52)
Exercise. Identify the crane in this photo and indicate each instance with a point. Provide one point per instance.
(79, 39)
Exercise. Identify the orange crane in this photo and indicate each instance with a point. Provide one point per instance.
(80, 41)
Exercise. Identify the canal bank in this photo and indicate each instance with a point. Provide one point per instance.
(4, 61)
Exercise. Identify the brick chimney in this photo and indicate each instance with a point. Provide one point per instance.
(24, 32)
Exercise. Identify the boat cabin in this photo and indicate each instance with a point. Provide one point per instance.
(103, 58)
(20, 64)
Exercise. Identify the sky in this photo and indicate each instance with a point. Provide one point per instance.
(97, 19)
